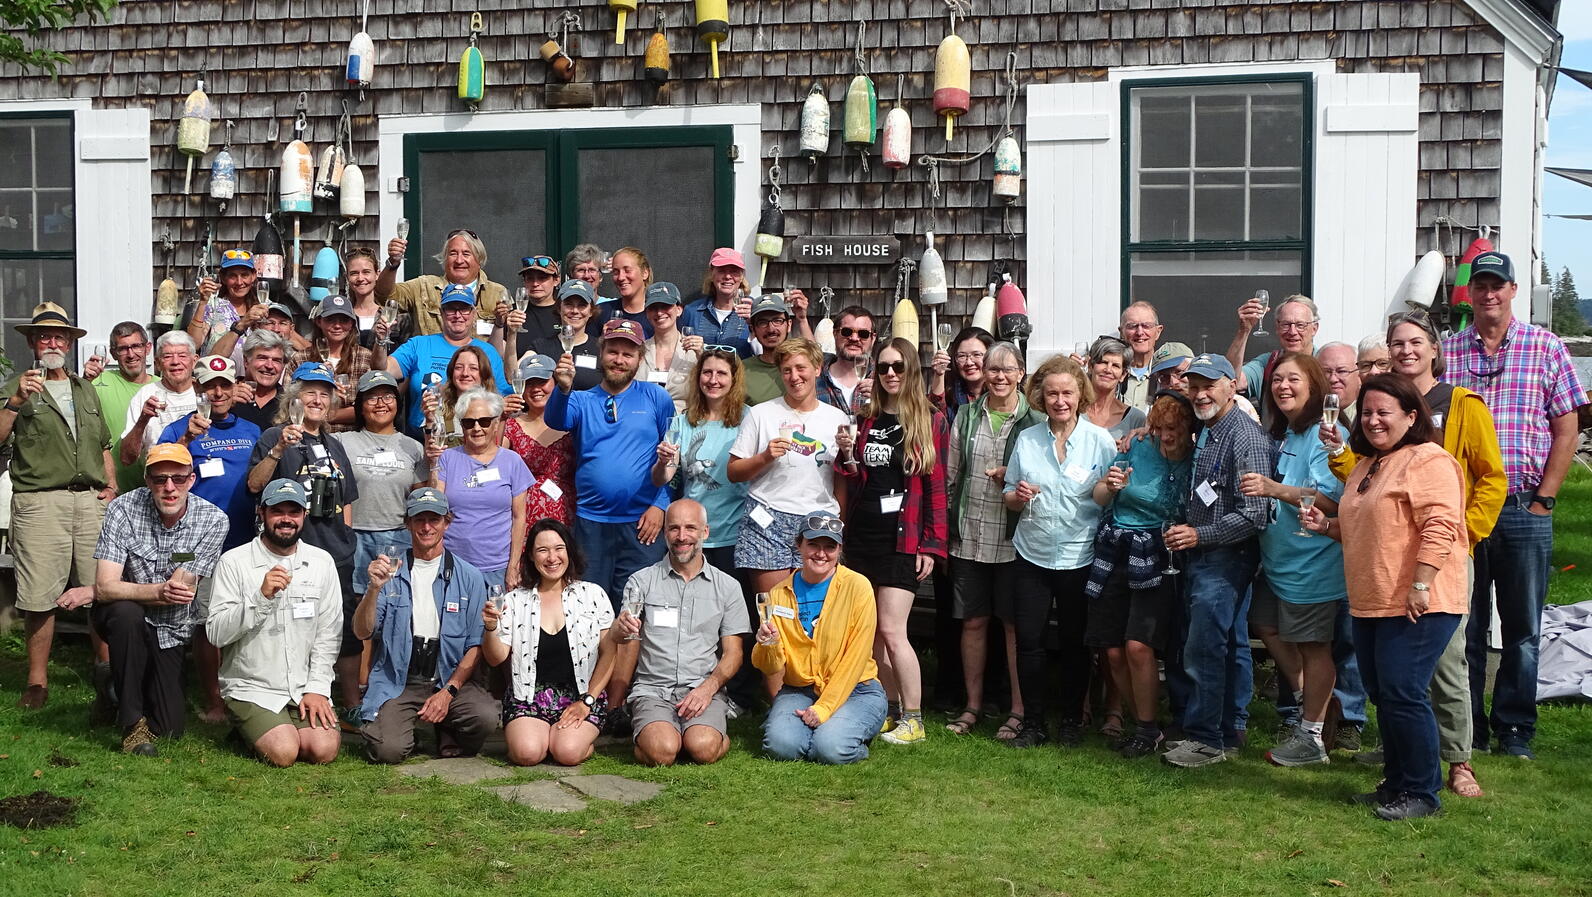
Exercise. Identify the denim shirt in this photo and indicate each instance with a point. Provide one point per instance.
(733, 332)
(457, 583)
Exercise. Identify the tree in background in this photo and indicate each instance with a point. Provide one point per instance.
(34, 17)
(1567, 320)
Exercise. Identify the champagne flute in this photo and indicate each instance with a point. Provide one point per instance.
(1080, 349)
(762, 615)
(522, 301)
(566, 337)
(1264, 298)
(201, 409)
(403, 228)
(633, 606)
(262, 292)
(1307, 500)
(389, 316)
(1329, 410)
(37, 371)
(344, 381)
(672, 435)
(1171, 563)
(850, 426)
(182, 576)
(295, 413)
(103, 353)
(494, 596)
(787, 429)
(942, 337)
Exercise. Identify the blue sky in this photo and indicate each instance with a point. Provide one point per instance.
(1568, 243)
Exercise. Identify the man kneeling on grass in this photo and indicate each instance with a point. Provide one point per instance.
(690, 645)
(276, 613)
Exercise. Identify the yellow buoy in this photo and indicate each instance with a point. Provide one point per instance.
(861, 114)
(953, 80)
(713, 26)
(904, 323)
(621, 8)
(657, 58)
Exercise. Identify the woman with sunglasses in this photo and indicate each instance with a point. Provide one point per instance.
(548, 454)
(486, 487)
(468, 369)
(668, 357)
(815, 644)
(336, 345)
(894, 470)
(1402, 525)
(957, 374)
(1468, 434)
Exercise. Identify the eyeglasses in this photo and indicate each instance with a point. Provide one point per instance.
(535, 261)
(233, 255)
(117, 350)
(161, 479)
(1003, 369)
(892, 367)
(1338, 373)
(611, 409)
(382, 398)
(1140, 326)
(862, 334)
(824, 522)
(1490, 372)
(962, 357)
(1294, 326)
(1380, 367)
(470, 423)
(1366, 483)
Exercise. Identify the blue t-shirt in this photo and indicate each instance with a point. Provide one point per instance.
(809, 599)
(1155, 492)
(613, 474)
(421, 355)
(1057, 529)
(230, 441)
(705, 477)
(1303, 570)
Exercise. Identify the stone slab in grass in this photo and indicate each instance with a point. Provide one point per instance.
(615, 788)
(543, 795)
(552, 769)
(457, 770)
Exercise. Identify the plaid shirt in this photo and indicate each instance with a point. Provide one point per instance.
(982, 524)
(923, 528)
(148, 552)
(1228, 449)
(1527, 384)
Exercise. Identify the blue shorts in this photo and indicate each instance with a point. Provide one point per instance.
(772, 547)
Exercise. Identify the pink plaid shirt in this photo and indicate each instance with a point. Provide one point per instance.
(1526, 385)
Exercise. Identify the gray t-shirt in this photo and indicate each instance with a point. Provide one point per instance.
(385, 466)
(681, 625)
(61, 392)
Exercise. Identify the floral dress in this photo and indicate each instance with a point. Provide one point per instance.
(553, 466)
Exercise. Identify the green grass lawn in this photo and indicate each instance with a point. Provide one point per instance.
(959, 816)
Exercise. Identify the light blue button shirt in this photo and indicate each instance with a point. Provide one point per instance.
(1303, 569)
(1057, 529)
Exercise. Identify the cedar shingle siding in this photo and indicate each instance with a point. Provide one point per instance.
(261, 54)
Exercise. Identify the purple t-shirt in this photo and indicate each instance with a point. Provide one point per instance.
(481, 497)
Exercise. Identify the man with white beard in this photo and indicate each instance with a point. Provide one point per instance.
(62, 476)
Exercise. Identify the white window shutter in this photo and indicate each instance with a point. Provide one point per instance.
(114, 220)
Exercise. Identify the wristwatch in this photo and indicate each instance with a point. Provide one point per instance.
(1421, 587)
(453, 690)
(1547, 501)
(588, 700)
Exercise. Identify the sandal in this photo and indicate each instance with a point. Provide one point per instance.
(1112, 728)
(1010, 728)
(1462, 781)
(962, 724)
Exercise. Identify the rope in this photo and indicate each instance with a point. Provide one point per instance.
(1012, 87)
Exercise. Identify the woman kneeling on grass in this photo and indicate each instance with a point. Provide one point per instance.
(817, 641)
(552, 631)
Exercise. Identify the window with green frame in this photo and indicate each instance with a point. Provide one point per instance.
(1216, 189)
(667, 191)
(38, 222)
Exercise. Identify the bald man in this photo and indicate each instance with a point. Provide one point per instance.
(691, 628)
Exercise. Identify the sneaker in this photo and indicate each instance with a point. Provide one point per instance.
(139, 740)
(1515, 746)
(1070, 733)
(732, 709)
(906, 731)
(1372, 757)
(1030, 735)
(1375, 798)
(1407, 806)
(1138, 745)
(1347, 738)
(1192, 754)
(1285, 733)
(349, 721)
(1171, 745)
(1300, 750)
(888, 724)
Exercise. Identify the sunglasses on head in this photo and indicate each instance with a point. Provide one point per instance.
(535, 261)
(470, 423)
(235, 254)
(862, 334)
(463, 231)
(824, 522)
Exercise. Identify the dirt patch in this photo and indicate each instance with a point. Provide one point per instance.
(59, 759)
(41, 809)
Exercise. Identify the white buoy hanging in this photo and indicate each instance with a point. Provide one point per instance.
(361, 56)
(224, 171)
(898, 131)
(815, 124)
(351, 192)
(824, 333)
(193, 130)
(984, 312)
(1008, 169)
(932, 291)
(298, 168)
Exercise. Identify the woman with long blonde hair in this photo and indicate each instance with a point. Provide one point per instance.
(894, 468)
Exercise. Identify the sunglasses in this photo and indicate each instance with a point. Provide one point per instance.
(463, 231)
(1366, 483)
(470, 423)
(611, 409)
(892, 367)
(537, 261)
(824, 523)
(236, 254)
(863, 334)
(1490, 371)
(161, 479)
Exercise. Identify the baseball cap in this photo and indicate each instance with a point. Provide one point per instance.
(212, 367)
(237, 258)
(662, 293)
(725, 257)
(575, 288)
(625, 329)
(542, 263)
(771, 302)
(457, 294)
(822, 525)
(373, 379)
(1168, 356)
(1211, 367)
(1494, 263)
(281, 491)
(277, 308)
(172, 452)
(313, 372)
(537, 367)
(425, 500)
(335, 305)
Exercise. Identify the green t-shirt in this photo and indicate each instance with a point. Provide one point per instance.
(762, 381)
(115, 392)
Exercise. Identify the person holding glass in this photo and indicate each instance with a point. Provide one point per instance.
(468, 369)
(486, 486)
(386, 465)
(551, 631)
(1107, 366)
(1050, 482)
(957, 374)
(360, 270)
(720, 314)
(336, 345)
(669, 355)
(548, 454)
(577, 303)
(1132, 615)
(1297, 602)
(816, 643)
(1402, 521)
(894, 470)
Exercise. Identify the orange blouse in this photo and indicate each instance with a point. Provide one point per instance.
(1411, 511)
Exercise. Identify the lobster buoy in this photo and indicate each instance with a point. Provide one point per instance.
(268, 254)
(1008, 169)
(984, 313)
(193, 130)
(770, 238)
(323, 275)
(223, 176)
(1013, 310)
(298, 179)
(351, 193)
(953, 81)
(904, 323)
(824, 335)
(168, 302)
(713, 26)
(1460, 298)
(472, 68)
(622, 9)
(931, 275)
(361, 61)
(657, 58)
(861, 114)
(815, 123)
(329, 174)
(898, 133)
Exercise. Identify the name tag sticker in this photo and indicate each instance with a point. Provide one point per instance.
(1437, 419)
(891, 504)
(668, 617)
(1076, 473)
(451, 607)
(761, 516)
(303, 610)
(1206, 493)
(658, 377)
(553, 490)
(319, 451)
(384, 458)
(488, 475)
(483, 328)
(211, 467)
(589, 362)
(779, 610)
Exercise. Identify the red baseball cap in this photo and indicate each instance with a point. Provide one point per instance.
(725, 257)
(625, 329)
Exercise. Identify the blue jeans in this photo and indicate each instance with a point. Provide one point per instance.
(843, 738)
(368, 544)
(1515, 558)
(1216, 653)
(1397, 659)
(613, 553)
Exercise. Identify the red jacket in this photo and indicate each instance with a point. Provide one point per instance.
(923, 527)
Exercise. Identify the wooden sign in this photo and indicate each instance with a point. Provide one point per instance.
(845, 250)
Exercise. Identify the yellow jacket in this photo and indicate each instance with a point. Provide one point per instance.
(838, 656)
(1468, 435)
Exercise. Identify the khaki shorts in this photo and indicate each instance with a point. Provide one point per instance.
(52, 539)
(647, 709)
(254, 721)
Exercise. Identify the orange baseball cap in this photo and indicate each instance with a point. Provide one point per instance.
(169, 451)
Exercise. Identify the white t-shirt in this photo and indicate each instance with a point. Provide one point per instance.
(423, 615)
(803, 479)
(61, 392)
(178, 406)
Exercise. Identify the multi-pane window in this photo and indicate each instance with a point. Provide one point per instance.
(38, 228)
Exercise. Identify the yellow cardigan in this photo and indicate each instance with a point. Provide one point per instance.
(1468, 435)
(838, 656)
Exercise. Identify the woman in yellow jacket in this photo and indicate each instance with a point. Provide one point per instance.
(816, 639)
(1469, 435)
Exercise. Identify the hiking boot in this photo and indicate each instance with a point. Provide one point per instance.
(1139, 745)
(732, 708)
(1193, 754)
(1070, 733)
(1300, 750)
(1347, 738)
(1376, 797)
(1372, 757)
(1030, 735)
(139, 740)
(1407, 806)
(906, 731)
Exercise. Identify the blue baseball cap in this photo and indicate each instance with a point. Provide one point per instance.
(537, 367)
(282, 491)
(1494, 263)
(575, 288)
(237, 258)
(1211, 367)
(458, 294)
(426, 500)
(662, 293)
(313, 372)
